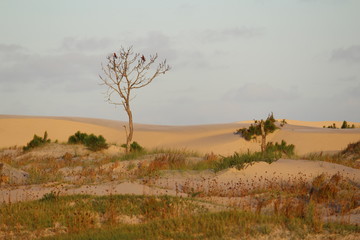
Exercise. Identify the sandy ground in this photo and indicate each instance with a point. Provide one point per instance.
(173, 183)
(218, 138)
(33, 192)
(308, 137)
(258, 174)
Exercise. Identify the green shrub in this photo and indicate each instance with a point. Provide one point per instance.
(95, 143)
(282, 149)
(78, 138)
(37, 141)
(240, 161)
(331, 126)
(272, 153)
(92, 142)
(51, 196)
(346, 125)
(134, 147)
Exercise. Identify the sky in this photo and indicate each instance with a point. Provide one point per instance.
(231, 60)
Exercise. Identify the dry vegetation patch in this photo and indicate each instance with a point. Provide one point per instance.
(350, 156)
(297, 207)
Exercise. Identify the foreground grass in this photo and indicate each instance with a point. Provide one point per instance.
(79, 213)
(221, 225)
(149, 217)
(205, 226)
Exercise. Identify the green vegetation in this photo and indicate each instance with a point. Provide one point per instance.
(134, 147)
(166, 217)
(281, 150)
(51, 196)
(78, 213)
(343, 126)
(37, 142)
(221, 225)
(95, 143)
(272, 153)
(293, 208)
(242, 160)
(346, 125)
(255, 129)
(262, 128)
(78, 138)
(92, 142)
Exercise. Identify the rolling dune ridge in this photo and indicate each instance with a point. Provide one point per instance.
(218, 138)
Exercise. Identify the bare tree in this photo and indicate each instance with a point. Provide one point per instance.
(126, 71)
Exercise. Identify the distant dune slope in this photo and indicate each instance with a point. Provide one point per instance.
(218, 138)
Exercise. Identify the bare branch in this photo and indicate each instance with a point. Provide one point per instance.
(125, 71)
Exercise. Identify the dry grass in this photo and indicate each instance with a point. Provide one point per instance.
(296, 207)
(350, 156)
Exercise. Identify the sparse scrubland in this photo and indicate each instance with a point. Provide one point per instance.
(350, 156)
(186, 195)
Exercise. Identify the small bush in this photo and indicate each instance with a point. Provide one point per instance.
(282, 149)
(331, 126)
(95, 143)
(92, 142)
(51, 196)
(346, 125)
(134, 147)
(37, 142)
(78, 138)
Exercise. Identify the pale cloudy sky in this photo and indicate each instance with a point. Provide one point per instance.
(231, 60)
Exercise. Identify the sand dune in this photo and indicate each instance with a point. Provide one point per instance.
(283, 169)
(218, 138)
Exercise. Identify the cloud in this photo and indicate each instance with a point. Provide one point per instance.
(10, 48)
(351, 95)
(260, 93)
(230, 33)
(47, 71)
(86, 44)
(325, 1)
(348, 55)
(156, 42)
(348, 79)
(194, 59)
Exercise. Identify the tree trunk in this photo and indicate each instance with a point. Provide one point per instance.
(131, 130)
(263, 136)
